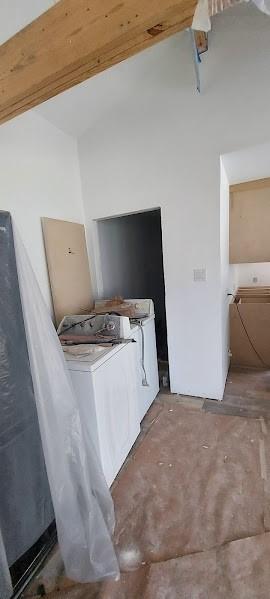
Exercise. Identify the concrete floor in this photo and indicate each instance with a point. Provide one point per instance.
(192, 508)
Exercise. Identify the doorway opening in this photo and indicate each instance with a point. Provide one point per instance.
(245, 267)
(131, 266)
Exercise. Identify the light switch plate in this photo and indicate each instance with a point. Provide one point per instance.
(199, 275)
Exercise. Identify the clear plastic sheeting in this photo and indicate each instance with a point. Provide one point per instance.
(263, 5)
(6, 589)
(206, 9)
(82, 502)
(26, 509)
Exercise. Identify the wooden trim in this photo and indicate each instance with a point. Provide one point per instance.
(201, 39)
(249, 185)
(76, 39)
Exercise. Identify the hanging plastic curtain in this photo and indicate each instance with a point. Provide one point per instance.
(5, 580)
(82, 502)
(263, 5)
(26, 509)
(206, 9)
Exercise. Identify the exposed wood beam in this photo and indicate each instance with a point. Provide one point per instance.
(76, 39)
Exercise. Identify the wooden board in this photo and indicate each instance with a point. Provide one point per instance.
(68, 267)
(250, 222)
(75, 39)
(253, 292)
(201, 40)
(249, 185)
(249, 329)
(254, 289)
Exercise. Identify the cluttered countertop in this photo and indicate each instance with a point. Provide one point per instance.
(90, 338)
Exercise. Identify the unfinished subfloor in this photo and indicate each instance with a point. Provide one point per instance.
(247, 393)
(192, 508)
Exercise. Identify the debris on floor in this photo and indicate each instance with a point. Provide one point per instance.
(247, 394)
(192, 510)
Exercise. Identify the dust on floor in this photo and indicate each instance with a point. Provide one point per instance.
(247, 393)
(192, 510)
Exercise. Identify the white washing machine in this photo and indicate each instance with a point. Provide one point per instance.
(143, 331)
(148, 381)
(145, 336)
(106, 384)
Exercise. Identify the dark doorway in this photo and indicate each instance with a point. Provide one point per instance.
(131, 261)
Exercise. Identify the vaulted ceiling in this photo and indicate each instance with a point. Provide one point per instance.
(16, 14)
(162, 69)
(76, 39)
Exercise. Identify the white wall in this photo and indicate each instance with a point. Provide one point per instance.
(162, 147)
(229, 273)
(245, 165)
(39, 176)
(253, 274)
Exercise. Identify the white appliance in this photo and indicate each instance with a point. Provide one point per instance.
(148, 381)
(143, 331)
(145, 336)
(106, 384)
(94, 324)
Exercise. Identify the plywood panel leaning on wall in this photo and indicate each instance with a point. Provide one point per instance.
(250, 222)
(68, 267)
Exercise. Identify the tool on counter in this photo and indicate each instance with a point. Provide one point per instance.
(77, 339)
(91, 339)
(81, 322)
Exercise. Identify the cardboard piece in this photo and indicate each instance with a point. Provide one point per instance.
(68, 267)
(250, 328)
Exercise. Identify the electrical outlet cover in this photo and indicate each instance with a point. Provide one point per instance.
(199, 275)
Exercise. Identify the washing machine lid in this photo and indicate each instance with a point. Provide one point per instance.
(92, 361)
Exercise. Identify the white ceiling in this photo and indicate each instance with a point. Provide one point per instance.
(75, 110)
(16, 14)
(155, 70)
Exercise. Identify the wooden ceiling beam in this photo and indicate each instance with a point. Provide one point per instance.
(76, 39)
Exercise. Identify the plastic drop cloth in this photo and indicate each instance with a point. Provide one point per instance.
(205, 9)
(82, 502)
(26, 509)
(6, 588)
